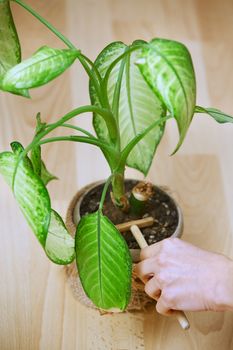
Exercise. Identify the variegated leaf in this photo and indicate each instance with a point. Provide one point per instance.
(138, 106)
(46, 64)
(39, 166)
(167, 67)
(10, 52)
(216, 114)
(34, 201)
(104, 262)
(45, 175)
(35, 156)
(30, 192)
(59, 243)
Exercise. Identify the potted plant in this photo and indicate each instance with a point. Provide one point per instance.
(134, 90)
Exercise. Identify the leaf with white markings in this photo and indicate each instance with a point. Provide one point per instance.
(10, 52)
(44, 65)
(218, 115)
(59, 243)
(34, 201)
(39, 166)
(104, 262)
(138, 106)
(35, 156)
(30, 192)
(167, 67)
(45, 175)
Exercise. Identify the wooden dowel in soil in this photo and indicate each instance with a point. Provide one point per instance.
(180, 315)
(146, 222)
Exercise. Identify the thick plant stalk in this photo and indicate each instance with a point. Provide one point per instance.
(141, 193)
(118, 192)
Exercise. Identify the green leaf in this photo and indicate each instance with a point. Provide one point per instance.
(45, 175)
(40, 126)
(167, 67)
(39, 166)
(125, 153)
(37, 163)
(34, 201)
(103, 261)
(22, 92)
(218, 115)
(45, 65)
(59, 243)
(36, 160)
(138, 106)
(10, 52)
(29, 191)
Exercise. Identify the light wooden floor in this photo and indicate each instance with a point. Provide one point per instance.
(37, 308)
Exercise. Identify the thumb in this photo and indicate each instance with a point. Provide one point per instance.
(162, 307)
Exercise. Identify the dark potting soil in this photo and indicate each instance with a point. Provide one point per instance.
(161, 207)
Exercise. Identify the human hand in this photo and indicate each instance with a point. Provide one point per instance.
(181, 276)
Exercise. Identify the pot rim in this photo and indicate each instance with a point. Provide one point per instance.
(73, 215)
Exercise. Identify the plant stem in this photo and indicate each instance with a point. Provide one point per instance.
(140, 195)
(118, 191)
(129, 95)
(119, 58)
(92, 66)
(104, 113)
(106, 185)
(74, 138)
(113, 64)
(109, 152)
(93, 78)
(116, 99)
(79, 129)
(72, 114)
(126, 151)
(117, 90)
(119, 197)
(80, 57)
(46, 23)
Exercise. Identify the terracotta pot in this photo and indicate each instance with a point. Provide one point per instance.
(139, 298)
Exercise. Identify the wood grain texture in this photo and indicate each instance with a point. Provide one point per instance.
(37, 307)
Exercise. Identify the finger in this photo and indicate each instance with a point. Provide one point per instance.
(150, 251)
(152, 288)
(162, 307)
(145, 269)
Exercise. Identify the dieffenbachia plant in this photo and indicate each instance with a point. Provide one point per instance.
(134, 89)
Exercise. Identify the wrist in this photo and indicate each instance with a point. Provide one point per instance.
(224, 287)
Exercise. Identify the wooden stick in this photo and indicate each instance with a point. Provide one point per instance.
(138, 236)
(180, 315)
(140, 223)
